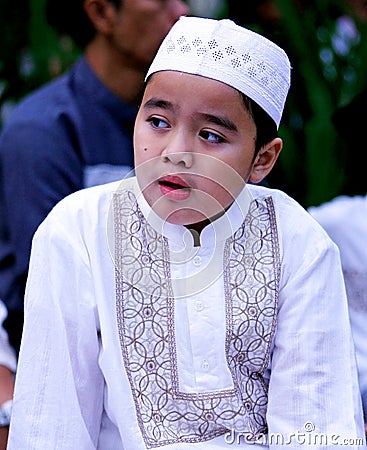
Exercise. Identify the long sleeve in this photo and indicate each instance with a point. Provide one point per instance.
(313, 390)
(59, 386)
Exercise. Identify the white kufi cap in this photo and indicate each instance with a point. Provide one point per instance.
(226, 52)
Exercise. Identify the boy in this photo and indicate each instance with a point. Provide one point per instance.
(206, 312)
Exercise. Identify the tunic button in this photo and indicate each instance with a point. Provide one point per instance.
(197, 261)
(205, 364)
(199, 306)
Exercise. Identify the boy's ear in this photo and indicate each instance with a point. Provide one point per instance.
(265, 160)
(101, 13)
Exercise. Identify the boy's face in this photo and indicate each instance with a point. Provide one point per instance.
(194, 146)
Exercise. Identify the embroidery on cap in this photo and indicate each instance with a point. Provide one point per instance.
(196, 42)
(217, 55)
(212, 44)
(253, 71)
(170, 46)
(236, 63)
(231, 54)
(230, 50)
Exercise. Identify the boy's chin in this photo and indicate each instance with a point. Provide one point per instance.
(184, 216)
(193, 219)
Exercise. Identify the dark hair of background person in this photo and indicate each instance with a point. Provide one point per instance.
(14, 37)
(67, 17)
(350, 123)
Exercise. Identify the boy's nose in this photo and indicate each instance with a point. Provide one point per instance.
(178, 149)
(184, 159)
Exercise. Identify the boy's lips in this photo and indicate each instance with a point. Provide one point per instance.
(174, 187)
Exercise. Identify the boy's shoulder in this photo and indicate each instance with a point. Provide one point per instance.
(279, 198)
(293, 221)
(90, 205)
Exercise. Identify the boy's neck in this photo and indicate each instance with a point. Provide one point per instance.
(196, 228)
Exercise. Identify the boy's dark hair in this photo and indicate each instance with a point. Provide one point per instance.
(68, 17)
(266, 129)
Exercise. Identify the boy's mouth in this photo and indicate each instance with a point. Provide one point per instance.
(173, 182)
(174, 187)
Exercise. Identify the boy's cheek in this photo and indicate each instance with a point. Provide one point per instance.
(142, 153)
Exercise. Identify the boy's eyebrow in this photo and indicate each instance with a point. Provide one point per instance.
(158, 103)
(217, 120)
(221, 121)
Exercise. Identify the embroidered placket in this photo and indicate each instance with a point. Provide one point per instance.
(145, 316)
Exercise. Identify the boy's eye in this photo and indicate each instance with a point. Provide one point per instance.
(158, 122)
(211, 137)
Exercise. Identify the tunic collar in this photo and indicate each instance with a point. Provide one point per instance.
(218, 230)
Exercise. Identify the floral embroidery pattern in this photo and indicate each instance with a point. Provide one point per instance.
(145, 315)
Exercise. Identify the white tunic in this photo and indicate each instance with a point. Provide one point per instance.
(134, 338)
(345, 220)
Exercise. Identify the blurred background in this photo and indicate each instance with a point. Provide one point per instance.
(326, 41)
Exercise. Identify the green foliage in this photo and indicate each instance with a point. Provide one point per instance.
(13, 17)
(329, 69)
(31, 53)
(50, 53)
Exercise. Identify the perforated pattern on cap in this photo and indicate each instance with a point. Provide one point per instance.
(223, 51)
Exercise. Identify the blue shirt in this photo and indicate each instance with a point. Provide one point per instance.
(69, 134)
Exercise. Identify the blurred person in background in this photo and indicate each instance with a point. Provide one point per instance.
(75, 131)
(345, 220)
(345, 216)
